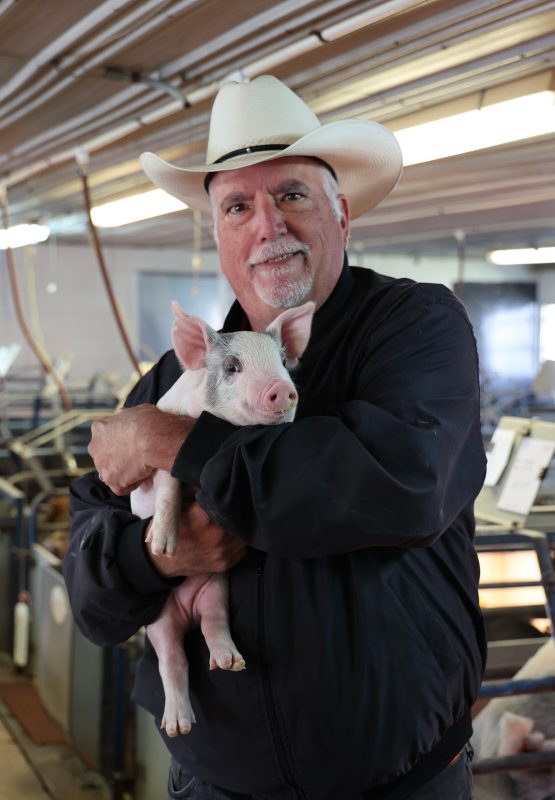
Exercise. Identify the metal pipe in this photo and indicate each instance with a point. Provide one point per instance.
(510, 584)
(512, 688)
(534, 760)
(116, 44)
(48, 54)
(540, 541)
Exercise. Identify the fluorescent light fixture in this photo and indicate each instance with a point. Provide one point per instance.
(525, 255)
(499, 123)
(135, 208)
(22, 235)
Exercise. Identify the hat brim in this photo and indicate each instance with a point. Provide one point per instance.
(365, 156)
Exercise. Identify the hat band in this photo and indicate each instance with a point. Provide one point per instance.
(255, 148)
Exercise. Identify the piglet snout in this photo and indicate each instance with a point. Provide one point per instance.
(279, 396)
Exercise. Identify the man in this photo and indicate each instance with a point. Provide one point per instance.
(353, 580)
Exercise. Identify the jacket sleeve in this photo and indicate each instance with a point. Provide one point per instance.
(112, 584)
(393, 466)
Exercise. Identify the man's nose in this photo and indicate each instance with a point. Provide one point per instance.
(269, 220)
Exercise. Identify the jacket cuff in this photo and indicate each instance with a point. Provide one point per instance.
(135, 564)
(204, 441)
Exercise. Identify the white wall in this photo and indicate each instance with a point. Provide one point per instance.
(443, 269)
(76, 319)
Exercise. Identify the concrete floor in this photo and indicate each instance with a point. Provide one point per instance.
(40, 772)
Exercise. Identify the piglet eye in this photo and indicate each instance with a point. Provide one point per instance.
(284, 361)
(232, 365)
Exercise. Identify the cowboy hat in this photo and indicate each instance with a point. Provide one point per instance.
(263, 120)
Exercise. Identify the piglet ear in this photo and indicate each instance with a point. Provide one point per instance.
(192, 338)
(292, 327)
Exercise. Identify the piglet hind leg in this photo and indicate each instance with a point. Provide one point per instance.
(166, 635)
(212, 607)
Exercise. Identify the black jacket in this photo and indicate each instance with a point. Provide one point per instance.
(356, 605)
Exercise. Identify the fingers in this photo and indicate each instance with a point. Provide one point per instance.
(202, 546)
(118, 488)
(127, 446)
(114, 449)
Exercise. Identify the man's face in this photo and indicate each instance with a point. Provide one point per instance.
(280, 241)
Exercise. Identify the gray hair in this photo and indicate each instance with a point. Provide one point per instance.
(331, 188)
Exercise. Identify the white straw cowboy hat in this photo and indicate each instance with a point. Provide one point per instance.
(263, 120)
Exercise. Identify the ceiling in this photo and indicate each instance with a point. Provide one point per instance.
(117, 77)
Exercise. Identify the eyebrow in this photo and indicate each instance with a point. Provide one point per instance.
(291, 186)
(234, 197)
(281, 188)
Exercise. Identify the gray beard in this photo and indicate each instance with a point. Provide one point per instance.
(286, 294)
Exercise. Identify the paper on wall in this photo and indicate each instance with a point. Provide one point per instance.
(498, 454)
(525, 476)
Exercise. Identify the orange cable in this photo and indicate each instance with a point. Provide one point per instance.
(104, 272)
(31, 341)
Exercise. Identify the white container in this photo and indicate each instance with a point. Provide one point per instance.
(22, 622)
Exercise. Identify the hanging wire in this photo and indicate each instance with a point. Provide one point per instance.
(32, 298)
(196, 260)
(82, 162)
(31, 341)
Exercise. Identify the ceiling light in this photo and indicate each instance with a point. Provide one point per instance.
(500, 123)
(137, 207)
(22, 235)
(526, 255)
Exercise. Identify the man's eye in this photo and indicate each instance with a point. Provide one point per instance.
(232, 365)
(237, 208)
(293, 196)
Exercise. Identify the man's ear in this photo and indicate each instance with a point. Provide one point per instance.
(192, 338)
(345, 219)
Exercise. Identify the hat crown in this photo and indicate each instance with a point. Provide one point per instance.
(254, 114)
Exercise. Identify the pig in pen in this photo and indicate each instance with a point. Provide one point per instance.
(523, 724)
(241, 377)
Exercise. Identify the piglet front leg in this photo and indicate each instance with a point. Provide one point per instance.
(163, 532)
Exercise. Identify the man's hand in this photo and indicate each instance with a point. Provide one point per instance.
(202, 546)
(130, 444)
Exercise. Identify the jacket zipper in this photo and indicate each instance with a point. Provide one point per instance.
(267, 687)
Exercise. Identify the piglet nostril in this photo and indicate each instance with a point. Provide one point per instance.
(280, 396)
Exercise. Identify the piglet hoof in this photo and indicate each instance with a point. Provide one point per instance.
(231, 661)
(176, 724)
(160, 544)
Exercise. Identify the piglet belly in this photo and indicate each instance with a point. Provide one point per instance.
(142, 500)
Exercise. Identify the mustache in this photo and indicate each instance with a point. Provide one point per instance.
(285, 246)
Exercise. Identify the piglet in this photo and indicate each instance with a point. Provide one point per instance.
(511, 725)
(241, 377)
